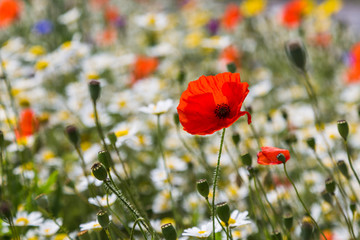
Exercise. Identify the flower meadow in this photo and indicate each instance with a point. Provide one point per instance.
(179, 119)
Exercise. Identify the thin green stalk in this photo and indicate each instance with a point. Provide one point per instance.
(216, 174)
(108, 233)
(348, 223)
(13, 229)
(113, 212)
(350, 162)
(98, 126)
(137, 221)
(167, 172)
(302, 203)
(262, 206)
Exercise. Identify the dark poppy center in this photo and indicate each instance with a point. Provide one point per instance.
(222, 110)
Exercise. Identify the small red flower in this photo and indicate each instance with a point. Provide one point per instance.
(143, 67)
(9, 12)
(28, 124)
(292, 13)
(231, 17)
(212, 103)
(268, 155)
(228, 55)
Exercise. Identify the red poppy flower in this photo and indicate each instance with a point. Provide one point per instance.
(230, 54)
(143, 67)
(268, 155)
(292, 13)
(28, 123)
(212, 103)
(9, 12)
(231, 16)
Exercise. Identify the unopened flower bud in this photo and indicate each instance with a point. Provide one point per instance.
(288, 220)
(290, 139)
(307, 228)
(1, 140)
(296, 53)
(330, 186)
(236, 138)
(281, 158)
(284, 114)
(311, 143)
(353, 207)
(231, 67)
(181, 77)
(103, 219)
(94, 89)
(203, 187)
(5, 210)
(326, 196)
(176, 119)
(112, 137)
(343, 128)
(343, 168)
(104, 158)
(276, 235)
(223, 211)
(99, 171)
(169, 231)
(73, 134)
(246, 159)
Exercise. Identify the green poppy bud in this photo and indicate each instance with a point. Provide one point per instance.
(73, 134)
(343, 128)
(169, 231)
(276, 235)
(246, 159)
(99, 171)
(223, 211)
(231, 67)
(296, 53)
(288, 220)
(112, 137)
(236, 138)
(330, 186)
(94, 89)
(203, 187)
(307, 228)
(281, 158)
(343, 168)
(103, 219)
(311, 143)
(105, 158)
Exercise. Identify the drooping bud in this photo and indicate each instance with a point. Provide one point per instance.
(343, 128)
(181, 77)
(330, 186)
(311, 143)
(73, 134)
(169, 231)
(103, 219)
(99, 171)
(236, 138)
(288, 220)
(203, 187)
(296, 53)
(5, 210)
(281, 158)
(231, 67)
(112, 137)
(223, 211)
(94, 89)
(104, 158)
(176, 119)
(246, 159)
(343, 168)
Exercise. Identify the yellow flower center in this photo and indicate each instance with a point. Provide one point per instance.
(121, 133)
(201, 232)
(37, 50)
(22, 220)
(41, 65)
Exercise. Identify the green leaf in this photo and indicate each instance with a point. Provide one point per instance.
(45, 188)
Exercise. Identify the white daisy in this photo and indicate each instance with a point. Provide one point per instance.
(103, 201)
(158, 108)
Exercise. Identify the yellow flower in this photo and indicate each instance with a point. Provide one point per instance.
(252, 8)
(330, 7)
(66, 45)
(37, 50)
(41, 65)
(198, 19)
(309, 7)
(193, 39)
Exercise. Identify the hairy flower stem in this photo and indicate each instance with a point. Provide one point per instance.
(127, 204)
(302, 203)
(218, 220)
(262, 205)
(350, 162)
(216, 174)
(348, 222)
(167, 172)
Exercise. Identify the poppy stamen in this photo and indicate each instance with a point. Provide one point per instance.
(222, 110)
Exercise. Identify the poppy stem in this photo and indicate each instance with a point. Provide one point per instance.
(350, 162)
(215, 180)
(302, 203)
(350, 228)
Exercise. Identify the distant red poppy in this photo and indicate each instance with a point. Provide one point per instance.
(292, 13)
(107, 37)
(9, 12)
(321, 40)
(111, 14)
(353, 72)
(143, 67)
(28, 123)
(231, 17)
(268, 155)
(230, 54)
(211, 103)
